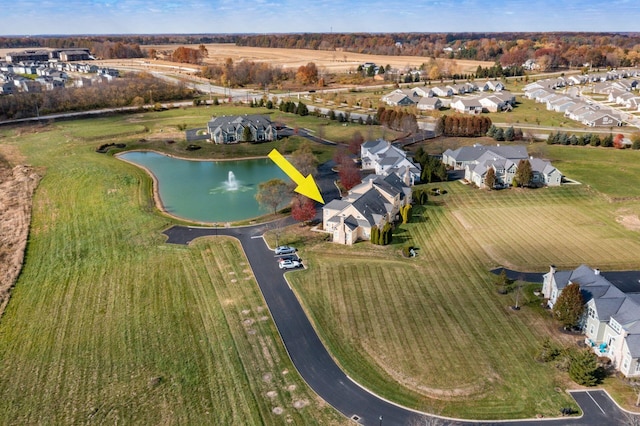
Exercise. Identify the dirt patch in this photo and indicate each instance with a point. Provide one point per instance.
(300, 403)
(629, 221)
(278, 410)
(17, 186)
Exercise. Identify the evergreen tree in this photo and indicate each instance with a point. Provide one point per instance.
(569, 307)
(595, 140)
(607, 141)
(509, 134)
(492, 130)
(499, 134)
(247, 136)
(375, 235)
(524, 173)
(584, 368)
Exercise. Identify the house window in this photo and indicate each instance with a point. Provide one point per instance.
(591, 330)
(625, 364)
(638, 365)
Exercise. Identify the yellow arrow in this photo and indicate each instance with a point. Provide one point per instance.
(306, 185)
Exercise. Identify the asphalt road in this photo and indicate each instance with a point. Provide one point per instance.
(320, 371)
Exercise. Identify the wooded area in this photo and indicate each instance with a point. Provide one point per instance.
(550, 50)
(132, 89)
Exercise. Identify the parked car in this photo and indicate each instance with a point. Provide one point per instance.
(289, 257)
(285, 250)
(289, 264)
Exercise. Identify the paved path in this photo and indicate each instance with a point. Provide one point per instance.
(323, 375)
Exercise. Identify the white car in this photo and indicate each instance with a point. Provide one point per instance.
(289, 264)
(285, 250)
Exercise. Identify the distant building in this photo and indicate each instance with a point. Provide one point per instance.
(231, 129)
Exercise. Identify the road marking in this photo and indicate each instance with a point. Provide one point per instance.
(594, 401)
(256, 236)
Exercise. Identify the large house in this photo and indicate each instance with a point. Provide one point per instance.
(231, 129)
(476, 161)
(385, 159)
(375, 202)
(611, 323)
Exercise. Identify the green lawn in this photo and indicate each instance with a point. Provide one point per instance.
(614, 172)
(108, 324)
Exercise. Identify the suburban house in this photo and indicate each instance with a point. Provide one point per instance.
(375, 202)
(429, 104)
(476, 160)
(385, 159)
(611, 322)
(231, 129)
(467, 105)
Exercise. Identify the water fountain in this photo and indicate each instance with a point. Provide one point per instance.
(231, 184)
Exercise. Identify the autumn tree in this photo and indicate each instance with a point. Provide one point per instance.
(490, 178)
(272, 194)
(569, 307)
(617, 141)
(349, 174)
(355, 142)
(304, 160)
(303, 209)
(524, 173)
(307, 74)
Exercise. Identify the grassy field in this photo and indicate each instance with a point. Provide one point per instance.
(436, 323)
(107, 324)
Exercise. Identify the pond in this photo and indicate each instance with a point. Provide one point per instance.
(207, 191)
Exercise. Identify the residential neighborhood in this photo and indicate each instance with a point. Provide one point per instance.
(571, 96)
(39, 70)
(233, 129)
(611, 322)
(476, 160)
(378, 199)
(466, 98)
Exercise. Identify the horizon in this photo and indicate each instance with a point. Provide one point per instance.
(148, 17)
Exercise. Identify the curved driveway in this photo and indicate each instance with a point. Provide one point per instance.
(320, 371)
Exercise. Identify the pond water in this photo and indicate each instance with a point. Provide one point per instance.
(208, 191)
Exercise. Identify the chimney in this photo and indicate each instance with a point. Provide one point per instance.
(596, 271)
(552, 269)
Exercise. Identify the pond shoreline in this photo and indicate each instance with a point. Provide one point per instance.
(162, 208)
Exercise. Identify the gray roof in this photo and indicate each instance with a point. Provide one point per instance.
(370, 203)
(472, 153)
(232, 121)
(633, 342)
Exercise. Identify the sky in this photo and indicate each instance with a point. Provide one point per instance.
(37, 17)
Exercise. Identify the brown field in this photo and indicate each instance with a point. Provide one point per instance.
(330, 61)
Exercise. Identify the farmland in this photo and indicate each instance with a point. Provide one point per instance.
(108, 323)
(327, 61)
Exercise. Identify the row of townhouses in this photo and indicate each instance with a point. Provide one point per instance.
(563, 95)
(476, 161)
(492, 98)
(378, 199)
(611, 322)
(52, 68)
(50, 75)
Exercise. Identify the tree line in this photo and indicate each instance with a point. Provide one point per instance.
(463, 125)
(132, 89)
(101, 47)
(396, 120)
(245, 73)
(550, 49)
(593, 139)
